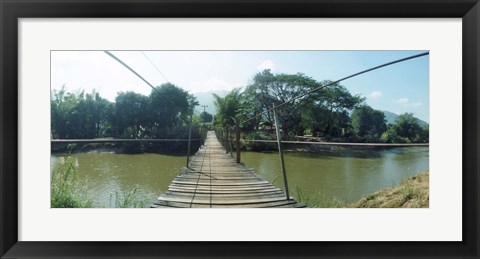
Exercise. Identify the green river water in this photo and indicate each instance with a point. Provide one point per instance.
(347, 174)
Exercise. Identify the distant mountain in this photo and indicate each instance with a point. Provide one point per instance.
(392, 117)
(206, 98)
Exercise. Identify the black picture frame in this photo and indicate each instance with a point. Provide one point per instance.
(12, 10)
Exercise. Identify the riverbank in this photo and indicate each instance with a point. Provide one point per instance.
(412, 192)
(170, 148)
(68, 191)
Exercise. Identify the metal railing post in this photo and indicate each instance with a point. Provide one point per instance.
(189, 138)
(279, 142)
(230, 142)
(237, 139)
(227, 139)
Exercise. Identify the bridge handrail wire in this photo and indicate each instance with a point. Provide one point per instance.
(336, 143)
(117, 140)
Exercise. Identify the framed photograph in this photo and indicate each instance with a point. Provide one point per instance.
(87, 79)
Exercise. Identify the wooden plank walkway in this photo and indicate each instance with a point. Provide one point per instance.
(214, 180)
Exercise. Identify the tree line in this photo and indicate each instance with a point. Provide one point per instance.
(163, 114)
(332, 113)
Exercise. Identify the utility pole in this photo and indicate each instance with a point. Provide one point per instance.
(204, 106)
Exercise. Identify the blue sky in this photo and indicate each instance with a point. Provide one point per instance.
(402, 87)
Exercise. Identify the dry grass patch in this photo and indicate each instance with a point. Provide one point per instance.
(413, 192)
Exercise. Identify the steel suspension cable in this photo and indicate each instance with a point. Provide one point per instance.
(138, 75)
(154, 88)
(155, 67)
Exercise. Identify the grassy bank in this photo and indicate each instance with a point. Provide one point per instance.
(65, 191)
(412, 192)
(319, 200)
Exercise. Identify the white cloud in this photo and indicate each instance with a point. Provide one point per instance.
(405, 102)
(375, 94)
(266, 64)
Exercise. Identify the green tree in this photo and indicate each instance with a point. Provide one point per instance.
(228, 107)
(368, 124)
(168, 107)
(91, 112)
(327, 110)
(425, 136)
(165, 113)
(407, 127)
(130, 115)
(206, 117)
(61, 104)
(79, 115)
(268, 90)
(406, 130)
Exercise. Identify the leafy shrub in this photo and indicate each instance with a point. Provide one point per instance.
(260, 146)
(64, 188)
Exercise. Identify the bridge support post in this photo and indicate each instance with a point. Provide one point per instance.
(237, 139)
(280, 152)
(230, 147)
(227, 139)
(189, 139)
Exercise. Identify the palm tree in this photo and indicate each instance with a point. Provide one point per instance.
(228, 107)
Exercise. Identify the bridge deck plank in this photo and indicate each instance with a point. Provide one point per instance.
(279, 204)
(214, 180)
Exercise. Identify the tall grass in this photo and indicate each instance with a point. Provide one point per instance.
(130, 199)
(318, 200)
(65, 190)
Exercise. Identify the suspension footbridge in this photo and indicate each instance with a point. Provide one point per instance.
(213, 179)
